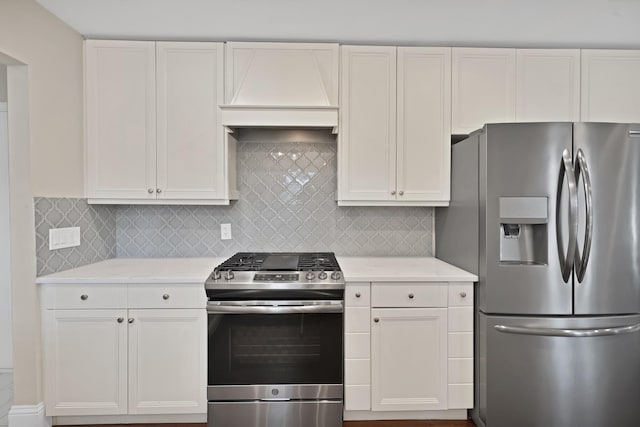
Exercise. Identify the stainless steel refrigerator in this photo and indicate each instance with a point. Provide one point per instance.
(548, 216)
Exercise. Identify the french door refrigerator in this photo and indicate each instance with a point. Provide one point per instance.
(548, 216)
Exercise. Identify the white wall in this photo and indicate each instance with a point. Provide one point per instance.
(509, 23)
(3, 83)
(6, 346)
(53, 52)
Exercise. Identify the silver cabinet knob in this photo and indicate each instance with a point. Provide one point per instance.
(393, 193)
(120, 319)
(130, 320)
(150, 191)
(165, 296)
(463, 294)
(158, 190)
(322, 275)
(410, 296)
(84, 297)
(375, 319)
(401, 192)
(310, 276)
(357, 294)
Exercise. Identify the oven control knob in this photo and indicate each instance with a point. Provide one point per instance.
(228, 275)
(336, 275)
(216, 275)
(322, 275)
(310, 275)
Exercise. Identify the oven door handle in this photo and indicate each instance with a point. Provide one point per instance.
(274, 307)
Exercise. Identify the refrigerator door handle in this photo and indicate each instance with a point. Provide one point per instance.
(581, 167)
(566, 168)
(570, 333)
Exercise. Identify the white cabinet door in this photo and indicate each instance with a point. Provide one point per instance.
(121, 119)
(367, 139)
(548, 85)
(85, 361)
(191, 155)
(409, 359)
(167, 361)
(610, 86)
(424, 124)
(483, 88)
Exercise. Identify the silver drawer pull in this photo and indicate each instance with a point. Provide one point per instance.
(375, 319)
(84, 297)
(410, 296)
(120, 319)
(165, 296)
(357, 294)
(463, 294)
(150, 191)
(130, 320)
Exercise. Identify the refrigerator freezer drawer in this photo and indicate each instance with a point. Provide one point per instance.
(584, 372)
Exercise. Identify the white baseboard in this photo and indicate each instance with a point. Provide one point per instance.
(449, 414)
(28, 416)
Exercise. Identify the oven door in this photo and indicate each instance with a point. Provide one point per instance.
(275, 350)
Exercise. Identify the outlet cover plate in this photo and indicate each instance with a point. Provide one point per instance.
(60, 238)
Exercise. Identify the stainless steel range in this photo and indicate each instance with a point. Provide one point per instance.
(275, 345)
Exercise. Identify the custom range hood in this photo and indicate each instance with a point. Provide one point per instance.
(281, 85)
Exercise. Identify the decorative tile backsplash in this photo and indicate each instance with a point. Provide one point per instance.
(287, 203)
(97, 227)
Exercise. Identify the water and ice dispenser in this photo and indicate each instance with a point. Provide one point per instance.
(523, 230)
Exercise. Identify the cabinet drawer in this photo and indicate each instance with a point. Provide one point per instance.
(357, 397)
(356, 319)
(460, 294)
(460, 371)
(460, 319)
(357, 372)
(460, 396)
(357, 295)
(460, 344)
(84, 296)
(357, 346)
(409, 295)
(166, 296)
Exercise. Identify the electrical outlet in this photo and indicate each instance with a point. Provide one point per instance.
(64, 237)
(225, 231)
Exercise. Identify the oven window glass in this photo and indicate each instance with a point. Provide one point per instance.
(275, 349)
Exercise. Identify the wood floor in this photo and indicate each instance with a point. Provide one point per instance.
(417, 423)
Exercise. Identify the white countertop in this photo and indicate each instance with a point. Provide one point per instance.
(196, 270)
(401, 269)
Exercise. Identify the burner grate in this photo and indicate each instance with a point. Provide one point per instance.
(253, 261)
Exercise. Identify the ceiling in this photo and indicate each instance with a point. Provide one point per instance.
(523, 23)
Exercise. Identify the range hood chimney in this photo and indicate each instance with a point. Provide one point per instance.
(281, 85)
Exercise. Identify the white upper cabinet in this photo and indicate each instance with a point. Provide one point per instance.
(121, 119)
(153, 124)
(189, 151)
(424, 124)
(611, 86)
(548, 85)
(395, 126)
(367, 141)
(483, 89)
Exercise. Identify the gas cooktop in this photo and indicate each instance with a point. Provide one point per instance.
(277, 270)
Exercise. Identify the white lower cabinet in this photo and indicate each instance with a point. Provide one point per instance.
(409, 359)
(408, 348)
(85, 362)
(105, 356)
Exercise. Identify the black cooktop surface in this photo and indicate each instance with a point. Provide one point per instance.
(280, 261)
